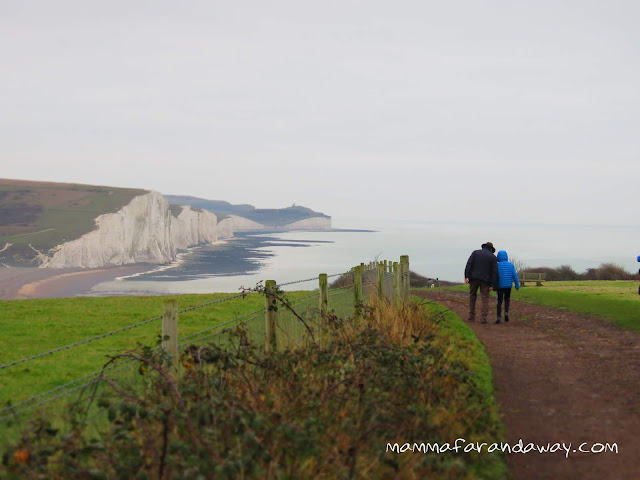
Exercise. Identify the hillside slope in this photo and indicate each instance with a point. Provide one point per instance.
(37, 216)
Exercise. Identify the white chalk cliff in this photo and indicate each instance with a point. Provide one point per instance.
(145, 231)
(313, 223)
(233, 223)
(142, 231)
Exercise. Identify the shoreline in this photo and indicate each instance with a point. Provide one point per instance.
(20, 283)
(241, 256)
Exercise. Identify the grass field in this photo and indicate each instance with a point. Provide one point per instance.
(615, 300)
(30, 327)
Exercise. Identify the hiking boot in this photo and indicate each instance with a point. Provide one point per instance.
(484, 320)
(506, 317)
(498, 320)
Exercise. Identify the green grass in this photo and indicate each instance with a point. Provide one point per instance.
(464, 347)
(615, 300)
(69, 222)
(30, 327)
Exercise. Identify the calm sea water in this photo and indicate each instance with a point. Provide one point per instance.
(436, 250)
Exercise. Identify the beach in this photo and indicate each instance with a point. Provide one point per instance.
(24, 283)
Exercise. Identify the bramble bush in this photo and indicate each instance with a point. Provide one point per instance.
(323, 411)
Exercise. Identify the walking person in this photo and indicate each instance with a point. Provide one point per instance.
(481, 273)
(507, 276)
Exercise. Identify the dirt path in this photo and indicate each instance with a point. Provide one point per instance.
(562, 377)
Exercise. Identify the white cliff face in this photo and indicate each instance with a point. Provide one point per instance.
(145, 231)
(233, 223)
(142, 231)
(314, 223)
(193, 227)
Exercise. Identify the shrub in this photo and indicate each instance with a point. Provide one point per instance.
(611, 271)
(606, 271)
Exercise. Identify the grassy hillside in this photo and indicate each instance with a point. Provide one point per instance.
(44, 214)
(274, 217)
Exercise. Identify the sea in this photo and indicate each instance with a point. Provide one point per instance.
(436, 250)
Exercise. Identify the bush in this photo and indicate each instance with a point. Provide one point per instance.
(611, 271)
(606, 271)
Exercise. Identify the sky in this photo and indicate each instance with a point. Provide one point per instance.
(447, 111)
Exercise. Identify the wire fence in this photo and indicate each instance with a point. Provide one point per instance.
(298, 323)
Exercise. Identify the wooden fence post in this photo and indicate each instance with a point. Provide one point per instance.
(381, 268)
(324, 295)
(357, 290)
(270, 315)
(170, 328)
(405, 282)
(396, 283)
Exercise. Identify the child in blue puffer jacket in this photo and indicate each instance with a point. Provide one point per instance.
(507, 275)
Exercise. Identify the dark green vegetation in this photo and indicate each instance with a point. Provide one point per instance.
(44, 215)
(272, 217)
(616, 301)
(324, 410)
(606, 271)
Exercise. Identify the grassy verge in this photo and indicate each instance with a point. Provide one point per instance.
(615, 300)
(323, 411)
(463, 347)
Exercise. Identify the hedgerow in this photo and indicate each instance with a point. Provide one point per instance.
(324, 410)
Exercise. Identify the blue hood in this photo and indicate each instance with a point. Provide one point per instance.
(502, 256)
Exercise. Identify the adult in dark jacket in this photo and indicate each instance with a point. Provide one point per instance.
(481, 273)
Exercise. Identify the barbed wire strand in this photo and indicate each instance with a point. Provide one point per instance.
(24, 403)
(48, 400)
(306, 297)
(61, 387)
(213, 302)
(298, 281)
(311, 279)
(346, 287)
(230, 324)
(107, 334)
(228, 329)
(81, 342)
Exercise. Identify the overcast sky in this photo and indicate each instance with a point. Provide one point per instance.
(521, 111)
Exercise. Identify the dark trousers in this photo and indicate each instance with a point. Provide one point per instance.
(504, 293)
(474, 285)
